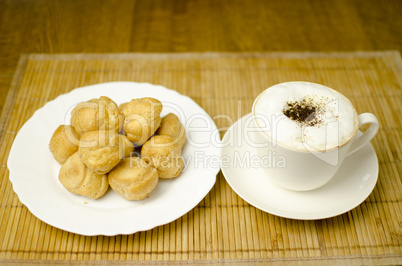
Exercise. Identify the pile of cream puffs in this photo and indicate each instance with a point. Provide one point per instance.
(127, 147)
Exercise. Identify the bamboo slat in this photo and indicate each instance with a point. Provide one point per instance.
(222, 227)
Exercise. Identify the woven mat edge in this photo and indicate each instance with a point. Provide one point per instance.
(12, 92)
(305, 54)
(387, 259)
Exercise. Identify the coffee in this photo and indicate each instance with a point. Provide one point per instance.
(305, 116)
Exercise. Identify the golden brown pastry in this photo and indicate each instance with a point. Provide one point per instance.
(171, 126)
(133, 178)
(142, 119)
(122, 106)
(101, 150)
(77, 178)
(163, 153)
(127, 145)
(96, 114)
(64, 143)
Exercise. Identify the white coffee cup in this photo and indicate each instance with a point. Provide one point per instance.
(305, 167)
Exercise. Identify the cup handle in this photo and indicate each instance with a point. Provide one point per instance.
(359, 142)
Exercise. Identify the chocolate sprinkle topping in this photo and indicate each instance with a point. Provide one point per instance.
(303, 112)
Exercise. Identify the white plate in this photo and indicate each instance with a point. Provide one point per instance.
(34, 171)
(351, 186)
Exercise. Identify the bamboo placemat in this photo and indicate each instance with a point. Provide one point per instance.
(223, 227)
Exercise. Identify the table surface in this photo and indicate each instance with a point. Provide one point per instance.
(119, 26)
(222, 227)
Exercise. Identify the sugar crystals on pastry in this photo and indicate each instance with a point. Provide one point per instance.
(77, 178)
(142, 119)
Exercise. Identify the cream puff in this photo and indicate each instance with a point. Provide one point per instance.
(171, 126)
(141, 119)
(96, 114)
(77, 178)
(163, 153)
(133, 178)
(64, 143)
(101, 150)
(127, 145)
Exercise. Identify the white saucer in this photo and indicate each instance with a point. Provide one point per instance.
(350, 187)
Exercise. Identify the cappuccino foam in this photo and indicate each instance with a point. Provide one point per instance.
(305, 116)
